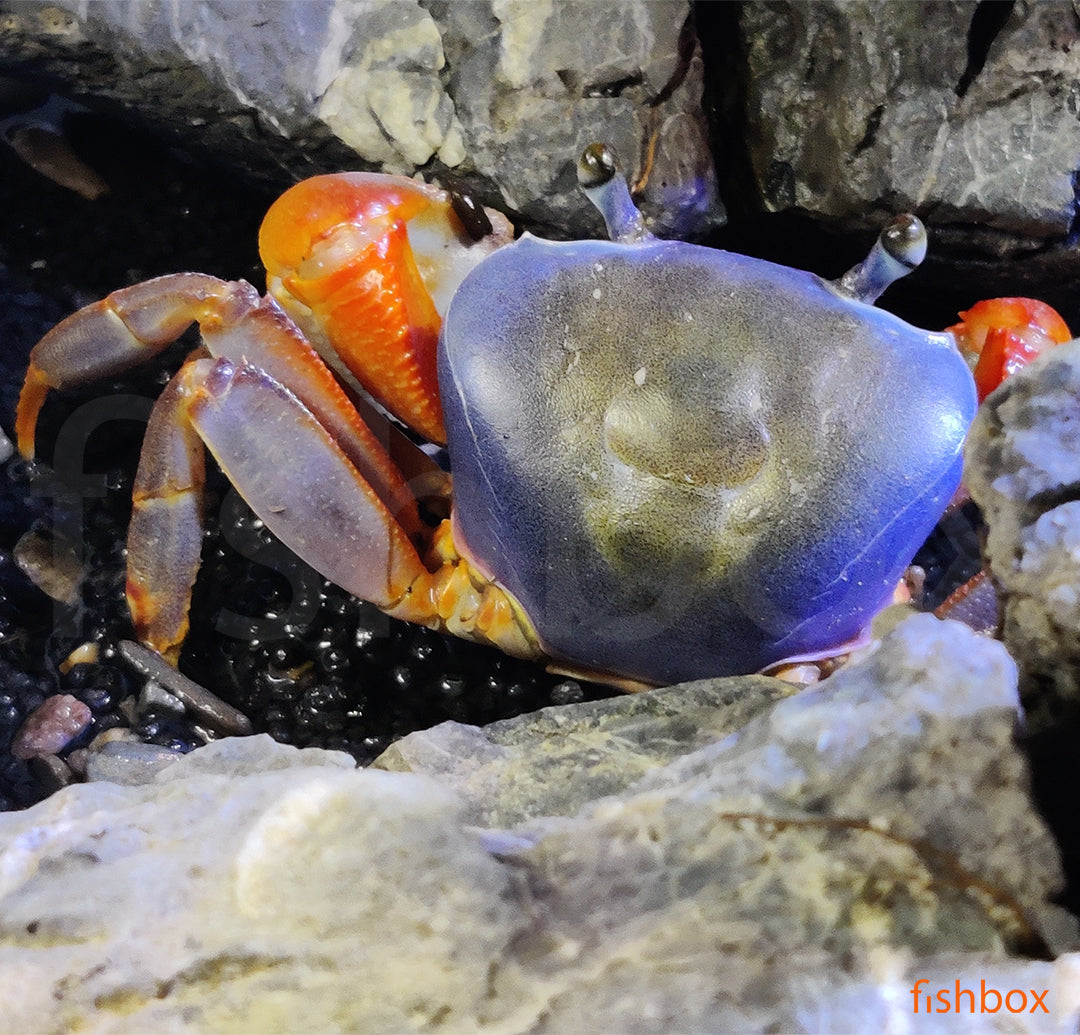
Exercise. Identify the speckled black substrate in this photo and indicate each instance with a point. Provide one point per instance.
(313, 667)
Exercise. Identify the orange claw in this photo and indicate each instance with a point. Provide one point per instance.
(338, 246)
(1000, 335)
(361, 263)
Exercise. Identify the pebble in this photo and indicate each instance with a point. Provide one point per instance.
(154, 697)
(198, 699)
(51, 565)
(85, 654)
(129, 762)
(54, 724)
(51, 772)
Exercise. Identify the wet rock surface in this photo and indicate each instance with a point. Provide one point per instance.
(820, 898)
(501, 95)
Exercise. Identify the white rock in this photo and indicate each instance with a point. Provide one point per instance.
(801, 873)
(1022, 466)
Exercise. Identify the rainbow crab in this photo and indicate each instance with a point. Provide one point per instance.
(668, 461)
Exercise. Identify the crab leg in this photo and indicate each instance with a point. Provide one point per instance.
(164, 544)
(288, 468)
(133, 324)
(292, 473)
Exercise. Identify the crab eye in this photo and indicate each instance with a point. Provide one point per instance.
(647, 429)
(597, 165)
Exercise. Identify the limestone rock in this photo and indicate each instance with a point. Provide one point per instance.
(1022, 466)
(503, 93)
(800, 873)
(553, 762)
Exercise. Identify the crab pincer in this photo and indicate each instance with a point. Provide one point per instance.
(1001, 335)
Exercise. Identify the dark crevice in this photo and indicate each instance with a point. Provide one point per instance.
(612, 87)
(873, 124)
(723, 53)
(989, 19)
(1073, 236)
(1050, 499)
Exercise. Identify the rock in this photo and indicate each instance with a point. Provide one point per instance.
(203, 703)
(553, 762)
(858, 109)
(50, 563)
(128, 762)
(960, 112)
(1022, 466)
(54, 724)
(51, 771)
(502, 93)
(802, 872)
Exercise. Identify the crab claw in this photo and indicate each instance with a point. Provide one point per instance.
(1000, 335)
(365, 264)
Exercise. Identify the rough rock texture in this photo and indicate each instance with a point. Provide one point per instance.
(961, 112)
(799, 874)
(503, 93)
(930, 107)
(1022, 466)
(554, 761)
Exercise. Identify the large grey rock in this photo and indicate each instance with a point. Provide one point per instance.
(505, 94)
(861, 108)
(1022, 466)
(799, 874)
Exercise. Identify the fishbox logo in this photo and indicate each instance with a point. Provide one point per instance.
(988, 1000)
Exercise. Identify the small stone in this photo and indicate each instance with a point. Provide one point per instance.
(84, 654)
(54, 724)
(51, 772)
(113, 735)
(76, 761)
(155, 698)
(51, 565)
(198, 699)
(131, 763)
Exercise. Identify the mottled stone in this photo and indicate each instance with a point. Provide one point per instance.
(1022, 466)
(861, 108)
(247, 893)
(504, 93)
(795, 865)
(54, 724)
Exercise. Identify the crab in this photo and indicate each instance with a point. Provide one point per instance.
(668, 461)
